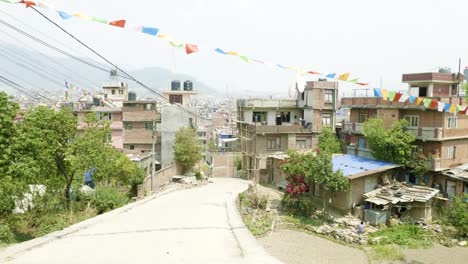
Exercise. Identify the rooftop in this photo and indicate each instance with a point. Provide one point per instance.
(396, 193)
(354, 166)
(267, 103)
(460, 172)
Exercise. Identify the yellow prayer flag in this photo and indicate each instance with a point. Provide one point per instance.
(453, 107)
(83, 16)
(419, 100)
(232, 53)
(343, 77)
(384, 94)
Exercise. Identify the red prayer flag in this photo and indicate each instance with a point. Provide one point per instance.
(397, 97)
(433, 104)
(363, 84)
(313, 72)
(191, 48)
(118, 23)
(28, 3)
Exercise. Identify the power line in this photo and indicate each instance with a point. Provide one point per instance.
(52, 46)
(110, 63)
(20, 88)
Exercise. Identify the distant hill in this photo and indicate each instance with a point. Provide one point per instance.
(18, 65)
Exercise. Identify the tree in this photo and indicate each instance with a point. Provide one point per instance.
(392, 145)
(418, 166)
(187, 148)
(328, 141)
(8, 185)
(458, 215)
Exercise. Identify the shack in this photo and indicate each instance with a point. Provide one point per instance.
(399, 200)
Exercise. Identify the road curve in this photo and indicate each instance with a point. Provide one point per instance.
(198, 225)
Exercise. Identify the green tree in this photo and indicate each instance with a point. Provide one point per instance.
(392, 145)
(458, 215)
(187, 148)
(328, 141)
(9, 186)
(418, 166)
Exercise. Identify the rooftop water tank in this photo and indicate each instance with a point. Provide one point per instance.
(445, 70)
(96, 101)
(131, 96)
(465, 74)
(175, 85)
(188, 86)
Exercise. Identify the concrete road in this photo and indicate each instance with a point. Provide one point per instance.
(199, 225)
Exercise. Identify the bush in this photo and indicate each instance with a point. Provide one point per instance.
(7, 203)
(6, 236)
(458, 215)
(107, 199)
(199, 176)
(381, 253)
(49, 223)
(298, 205)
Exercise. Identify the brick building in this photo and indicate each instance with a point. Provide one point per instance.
(269, 127)
(441, 136)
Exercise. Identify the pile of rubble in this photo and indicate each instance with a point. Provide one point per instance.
(345, 229)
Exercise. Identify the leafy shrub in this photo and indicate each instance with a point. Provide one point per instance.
(106, 199)
(297, 205)
(259, 224)
(404, 235)
(381, 253)
(458, 215)
(252, 199)
(49, 223)
(7, 203)
(199, 176)
(6, 236)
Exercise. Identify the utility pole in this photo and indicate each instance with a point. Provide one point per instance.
(153, 154)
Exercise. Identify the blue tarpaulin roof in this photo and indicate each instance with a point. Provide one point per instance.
(351, 164)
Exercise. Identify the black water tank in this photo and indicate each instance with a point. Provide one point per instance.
(131, 96)
(96, 101)
(175, 85)
(188, 86)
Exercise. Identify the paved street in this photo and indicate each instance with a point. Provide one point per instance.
(199, 225)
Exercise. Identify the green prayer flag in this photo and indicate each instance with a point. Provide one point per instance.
(354, 80)
(244, 58)
(427, 102)
(391, 95)
(176, 43)
(100, 20)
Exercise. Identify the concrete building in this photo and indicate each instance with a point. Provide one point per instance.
(441, 136)
(139, 120)
(269, 127)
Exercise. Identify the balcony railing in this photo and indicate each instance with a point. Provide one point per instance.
(351, 127)
(280, 129)
(427, 133)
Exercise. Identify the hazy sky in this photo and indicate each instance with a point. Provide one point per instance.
(368, 38)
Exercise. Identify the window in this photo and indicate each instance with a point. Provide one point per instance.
(128, 126)
(259, 117)
(418, 149)
(451, 152)
(413, 121)
(104, 116)
(285, 117)
(302, 96)
(301, 144)
(362, 143)
(149, 107)
(328, 96)
(274, 143)
(132, 147)
(113, 91)
(149, 125)
(452, 122)
(175, 98)
(362, 117)
(108, 138)
(326, 120)
(121, 91)
(450, 188)
(190, 120)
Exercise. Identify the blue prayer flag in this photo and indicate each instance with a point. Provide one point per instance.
(220, 51)
(412, 99)
(331, 75)
(447, 107)
(150, 31)
(377, 92)
(65, 15)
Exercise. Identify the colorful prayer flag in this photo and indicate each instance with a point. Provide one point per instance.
(244, 58)
(233, 53)
(331, 75)
(354, 80)
(412, 99)
(313, 72)
(452, 109)
(403, 98)
(363, 84)
(385, 94)
(64, 15)
(343, 77)
(118, 23)
(281, 66)
(83, 16)
(218, 50)
(28, 3)
(100, 20)
(447, 107)
(377, 92)
(150, 31)
(440, 106)
(419, 100)
(433, 104)
(397, 97)
(391, 95)
(191, 48)
(427, 102)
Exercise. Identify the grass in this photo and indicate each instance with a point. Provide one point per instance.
(381, 253)
(406, 235)
(301, 221)
(257, 220)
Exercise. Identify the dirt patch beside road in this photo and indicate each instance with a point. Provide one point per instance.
(293, 247)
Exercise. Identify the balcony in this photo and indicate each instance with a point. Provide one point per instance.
(427, 133)
(280, 129)
(351, 127)
(361, 152)
(267, 103)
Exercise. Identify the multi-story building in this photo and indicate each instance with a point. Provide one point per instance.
(441, 136)
(140, 121)
(269, 127)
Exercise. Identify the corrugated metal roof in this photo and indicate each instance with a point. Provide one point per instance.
(352, 165)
